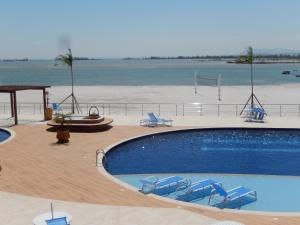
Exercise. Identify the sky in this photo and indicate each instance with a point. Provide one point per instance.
(138, 28)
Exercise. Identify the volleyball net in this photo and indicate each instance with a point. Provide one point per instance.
(212, 81)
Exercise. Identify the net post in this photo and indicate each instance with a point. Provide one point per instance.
(195, 82)
(219, 87)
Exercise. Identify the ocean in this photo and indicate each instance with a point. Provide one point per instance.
(142, 72)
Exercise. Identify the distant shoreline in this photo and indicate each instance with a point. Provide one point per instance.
(237, 59)
(85, 58)
(266, 62)
(27, 59)
(232, 59)
(15, 60)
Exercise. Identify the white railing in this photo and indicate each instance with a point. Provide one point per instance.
(171, 109)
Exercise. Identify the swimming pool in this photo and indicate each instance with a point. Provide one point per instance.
(267, 160)
(4, 135)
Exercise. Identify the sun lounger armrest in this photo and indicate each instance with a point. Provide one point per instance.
(149, 180)
(146, 182)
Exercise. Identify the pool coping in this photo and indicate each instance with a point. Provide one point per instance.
(12, 135)
(181, 204)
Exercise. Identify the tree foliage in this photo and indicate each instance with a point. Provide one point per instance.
(66, 59)
(250, 56)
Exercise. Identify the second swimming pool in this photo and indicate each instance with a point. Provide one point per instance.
(4, 135)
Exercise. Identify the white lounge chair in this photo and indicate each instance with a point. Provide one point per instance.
(169, 184)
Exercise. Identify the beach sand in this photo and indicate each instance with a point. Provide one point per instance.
(181, 100)
(273, 94)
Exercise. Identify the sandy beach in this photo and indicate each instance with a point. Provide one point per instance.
(169, 101)
(272, 94)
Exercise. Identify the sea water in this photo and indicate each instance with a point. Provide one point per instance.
(142, 72)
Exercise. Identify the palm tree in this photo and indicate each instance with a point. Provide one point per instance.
(67, 59)
(249, 58)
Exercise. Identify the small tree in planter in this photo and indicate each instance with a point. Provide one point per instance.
(63, 132)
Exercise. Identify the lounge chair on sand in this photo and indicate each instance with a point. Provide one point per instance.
(234, 195)
(199, 189)
(154, 121)
(56, 108)
(255, 114)
(57, 221)
(163, 186)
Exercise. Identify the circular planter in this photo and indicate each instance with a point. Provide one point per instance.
(63, 135)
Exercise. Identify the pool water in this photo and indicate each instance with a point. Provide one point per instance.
(4, 135)
(274, 193)
(234, 151)
(266, 160)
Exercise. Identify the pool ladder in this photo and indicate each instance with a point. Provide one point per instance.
(104, 159)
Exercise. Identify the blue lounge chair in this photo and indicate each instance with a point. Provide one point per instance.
(260, 114)
(160, 121)
(255, 114)
(56, 108)
(163, 186)
(153, 121)
(149, 122)
(199, 189)
(57, 221)
(232, 195)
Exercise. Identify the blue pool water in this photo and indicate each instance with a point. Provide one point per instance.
(4, 135)
(253, 154)
(235, 151)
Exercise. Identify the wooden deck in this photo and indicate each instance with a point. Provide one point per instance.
(33, 164)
